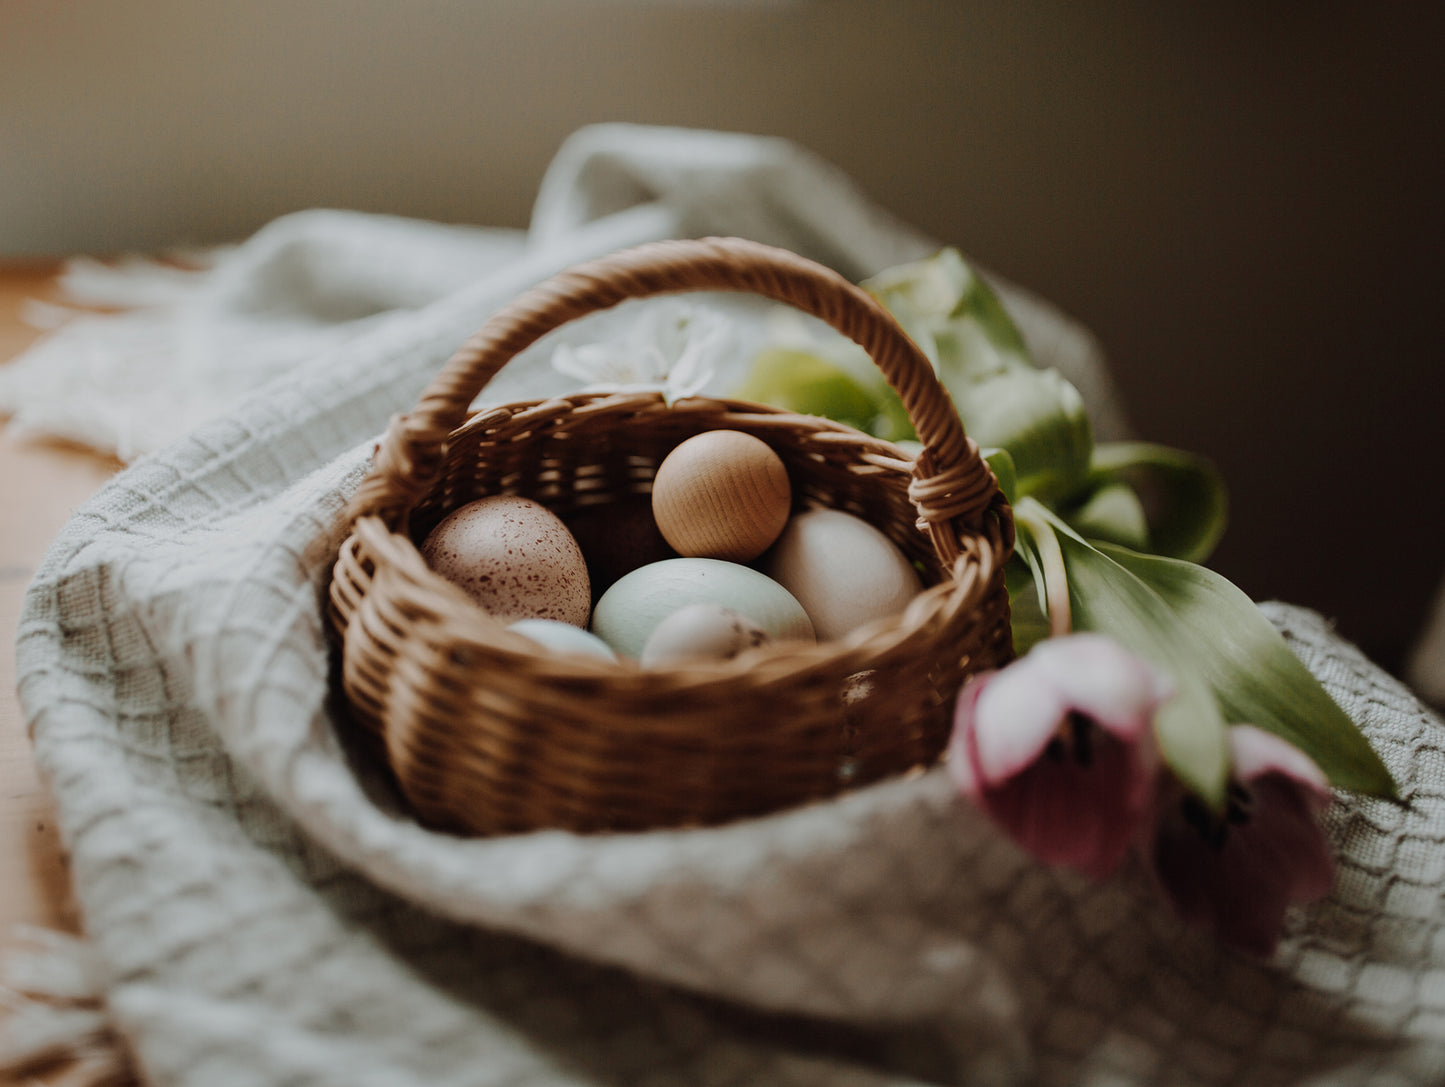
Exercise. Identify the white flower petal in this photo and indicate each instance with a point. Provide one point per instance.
(1014, 719)
(1097, 676)
(668, 348)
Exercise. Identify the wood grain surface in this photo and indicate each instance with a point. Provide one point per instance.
(41, 483)
(722, 494)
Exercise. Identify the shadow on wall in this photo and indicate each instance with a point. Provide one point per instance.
(1240, 200)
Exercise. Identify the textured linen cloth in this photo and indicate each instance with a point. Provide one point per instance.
(311, 282)
(264, 911)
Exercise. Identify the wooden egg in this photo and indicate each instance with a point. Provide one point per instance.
(721, 494)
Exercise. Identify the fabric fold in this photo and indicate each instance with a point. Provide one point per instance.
(264, 910)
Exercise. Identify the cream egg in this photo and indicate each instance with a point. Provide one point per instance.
(628, 612)
(842, 570)
(700, 631)
(514, 557)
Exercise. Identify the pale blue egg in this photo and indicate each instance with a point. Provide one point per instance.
(628, 611)
(562, 637)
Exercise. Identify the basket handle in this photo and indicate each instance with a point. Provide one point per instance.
(950, 479)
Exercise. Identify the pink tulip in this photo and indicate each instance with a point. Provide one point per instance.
(1057, 749)
(1235, 873)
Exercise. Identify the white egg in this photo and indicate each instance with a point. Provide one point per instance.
(563, 638)
(700, 632)
(842, 570)
(628, 611)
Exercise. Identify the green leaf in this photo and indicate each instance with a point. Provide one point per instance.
(801, 382)
(1026, 615)
(953, 315)
(1028, 554)
(1254, 674)
(1004, 471)
(979, 354)
(981, 303)
(1184, 495)
(1113, 513)
(1037, 543)
(1039, 418)
(1106, 597)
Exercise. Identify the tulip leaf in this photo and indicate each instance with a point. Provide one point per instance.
(980, 302)
(1027, 620)
(1037, 544)
(1025, 552)
(1184, 495)
(1110, 511)
(1002, 466)
(1254, 674)
(953, 315)
(1038, 417)
(1002, 398)
(1106, 597)
(799, 381)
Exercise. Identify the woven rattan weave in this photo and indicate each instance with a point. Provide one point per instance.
(487, 734)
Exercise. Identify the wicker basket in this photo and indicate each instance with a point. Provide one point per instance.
(488, 735)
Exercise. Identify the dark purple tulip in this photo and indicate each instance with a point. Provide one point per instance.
(1235, 873)
(1057, 749)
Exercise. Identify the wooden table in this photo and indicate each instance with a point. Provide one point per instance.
(41, 483)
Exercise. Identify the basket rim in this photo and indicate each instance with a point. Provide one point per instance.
(398, 559)
(466, 709)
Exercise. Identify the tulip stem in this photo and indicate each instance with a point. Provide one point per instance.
(1051, 565)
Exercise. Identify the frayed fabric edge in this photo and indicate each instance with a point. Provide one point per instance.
(53, 1014)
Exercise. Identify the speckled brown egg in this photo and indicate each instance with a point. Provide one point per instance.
(514, 557)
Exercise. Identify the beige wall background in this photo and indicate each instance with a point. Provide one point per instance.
(1240, 199)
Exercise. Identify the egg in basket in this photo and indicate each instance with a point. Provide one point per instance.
(490, 731)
